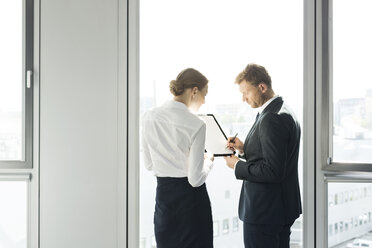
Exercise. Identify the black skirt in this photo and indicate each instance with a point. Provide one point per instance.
(183, 216)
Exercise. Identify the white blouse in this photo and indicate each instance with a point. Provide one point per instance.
(173, 143)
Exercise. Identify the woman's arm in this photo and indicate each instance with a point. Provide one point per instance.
(198, 166)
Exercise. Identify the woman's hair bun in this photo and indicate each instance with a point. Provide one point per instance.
(176, 88)
(188, 78)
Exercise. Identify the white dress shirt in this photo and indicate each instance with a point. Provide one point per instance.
(260, 109)
(173, 143)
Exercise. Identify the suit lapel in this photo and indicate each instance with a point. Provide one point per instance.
(252, 128)
(274, 107)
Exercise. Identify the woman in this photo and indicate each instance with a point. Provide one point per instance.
(173, 140)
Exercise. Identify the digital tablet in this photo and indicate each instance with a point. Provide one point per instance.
(215, 142)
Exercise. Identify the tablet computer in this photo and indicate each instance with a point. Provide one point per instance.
(215, 141)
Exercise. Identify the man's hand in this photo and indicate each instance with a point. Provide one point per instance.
(231, 161)
(237, 144)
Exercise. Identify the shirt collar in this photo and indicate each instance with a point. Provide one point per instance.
(176, 104)
(262, 108)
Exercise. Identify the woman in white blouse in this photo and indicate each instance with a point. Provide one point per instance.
(173, 141)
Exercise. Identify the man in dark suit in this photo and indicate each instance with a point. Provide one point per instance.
(270, 198)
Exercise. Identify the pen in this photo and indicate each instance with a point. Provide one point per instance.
(232, 140)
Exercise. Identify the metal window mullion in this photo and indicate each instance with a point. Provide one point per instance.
(348, 178)
(325, 106)
(29, 66)
(348, 167)
(329, 43)
(15, 177)
(14, 164)
(133, 125)
(309, 207)
(322, 110)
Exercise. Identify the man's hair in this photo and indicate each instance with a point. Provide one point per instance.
(254, 74)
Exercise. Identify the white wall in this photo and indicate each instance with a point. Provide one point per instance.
(82, 195)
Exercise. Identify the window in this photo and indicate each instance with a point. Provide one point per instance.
(344, 124)
(16, 63)
(216, 228)
(235, 224)
(13, 213)
(330, 201)
(227, 194)
(330, 229)
(153, 242)
(170, 40)
(225, 226)
(17, 223)
(352, 93)
(143, 243)
(351, 220)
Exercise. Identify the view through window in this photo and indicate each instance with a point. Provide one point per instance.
(11, 93)
(350, 204)
(352, 89)
(13, 214)
(219, 39)
(349, 215)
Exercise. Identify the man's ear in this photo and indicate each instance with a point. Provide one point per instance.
(263, 87)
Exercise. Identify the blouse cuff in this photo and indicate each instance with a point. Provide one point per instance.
(208, 164)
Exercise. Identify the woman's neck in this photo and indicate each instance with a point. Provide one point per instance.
(183, 99)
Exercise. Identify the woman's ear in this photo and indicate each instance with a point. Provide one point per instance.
(194, 91)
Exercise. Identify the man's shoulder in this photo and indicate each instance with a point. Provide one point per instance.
(283, 116)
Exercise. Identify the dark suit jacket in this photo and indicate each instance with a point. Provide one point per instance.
(270, 192)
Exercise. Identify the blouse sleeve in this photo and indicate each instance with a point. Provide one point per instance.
(145, 151)
(199, 167)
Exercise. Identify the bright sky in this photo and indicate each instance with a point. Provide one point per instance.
(352, 49)
(13, 209)
(219, 40)
(11, 56)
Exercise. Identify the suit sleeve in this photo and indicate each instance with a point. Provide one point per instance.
(274, 137)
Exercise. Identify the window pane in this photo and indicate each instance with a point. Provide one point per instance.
(11, 90)
(352, 88)
(13, 214)
(349, 215)
(219, 43)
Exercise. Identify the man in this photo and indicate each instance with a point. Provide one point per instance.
(270, 198)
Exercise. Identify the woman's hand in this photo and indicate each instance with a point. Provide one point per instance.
(207, 155)
(231, 161)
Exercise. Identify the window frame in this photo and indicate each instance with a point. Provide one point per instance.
(311, 174)
(27, 169)
(27, 90)
(327, 100)
(326, 170)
